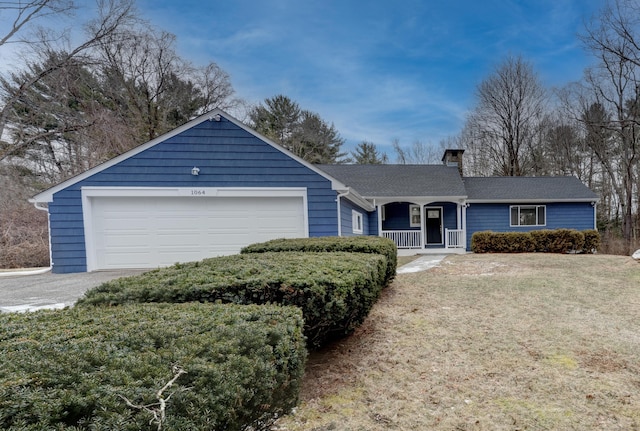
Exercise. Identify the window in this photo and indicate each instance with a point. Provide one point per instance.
(528, 215)
(414, 216)
(356, 222)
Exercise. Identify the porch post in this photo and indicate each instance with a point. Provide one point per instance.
(423, 222)
(379, 213)
(463, 225)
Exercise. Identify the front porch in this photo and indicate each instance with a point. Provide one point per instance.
(424, 227)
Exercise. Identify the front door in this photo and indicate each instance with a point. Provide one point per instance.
(434, 225)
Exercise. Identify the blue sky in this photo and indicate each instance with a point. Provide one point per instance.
(377, 70)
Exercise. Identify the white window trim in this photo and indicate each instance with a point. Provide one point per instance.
(411, 223)
(357, 220)
(537, 207)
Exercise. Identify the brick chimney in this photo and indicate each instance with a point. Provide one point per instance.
(453, 157)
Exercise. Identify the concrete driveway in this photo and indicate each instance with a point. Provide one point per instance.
(23, 292)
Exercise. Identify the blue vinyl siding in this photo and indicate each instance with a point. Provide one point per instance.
(346, 215)
(227, 155)
(373, 223)
(495, 217)
(397, 215)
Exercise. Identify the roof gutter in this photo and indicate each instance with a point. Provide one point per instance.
(356, 199)
(532, 201)
(339, 207)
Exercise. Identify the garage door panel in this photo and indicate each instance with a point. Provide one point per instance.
(147, 232)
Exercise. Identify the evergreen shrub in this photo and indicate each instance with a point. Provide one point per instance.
(592, 241)
(558, 240)
(334, 290)
(544, 241)
(101, 368)
(502, 242)
(354, 244)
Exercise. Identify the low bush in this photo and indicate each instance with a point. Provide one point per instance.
(110, 368)
(545, 241)
(334, 290)
(558, 240)
(592, 241)
(502, 242)
(354, 244)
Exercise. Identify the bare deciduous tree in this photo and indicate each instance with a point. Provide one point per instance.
(418, 153)
(612, 117)
(112, 16)
(504, 124)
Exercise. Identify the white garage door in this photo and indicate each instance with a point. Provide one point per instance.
(148, 232)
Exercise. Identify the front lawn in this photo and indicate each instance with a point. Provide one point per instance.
(488, 342)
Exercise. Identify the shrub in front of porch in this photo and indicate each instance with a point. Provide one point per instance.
(353, 244)
(334, 290)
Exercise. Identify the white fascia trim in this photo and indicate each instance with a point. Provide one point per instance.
(354, 197)
(47, 195)
(90, 192)
(381, 200)
(530, 201)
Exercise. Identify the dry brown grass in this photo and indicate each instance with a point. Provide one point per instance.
(488, 342)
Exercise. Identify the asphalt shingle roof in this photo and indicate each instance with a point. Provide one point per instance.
(399, 180)
(527, 188)
(373, 181)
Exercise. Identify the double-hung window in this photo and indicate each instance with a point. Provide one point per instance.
(528, 215)
(356, 222)
(414, 216)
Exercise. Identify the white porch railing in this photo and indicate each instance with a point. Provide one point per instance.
(454, 238)
(404, 238)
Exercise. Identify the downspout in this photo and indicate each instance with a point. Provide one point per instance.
(35, 204)
(341, 195)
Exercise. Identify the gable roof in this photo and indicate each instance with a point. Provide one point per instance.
(214, 115)
(528, 189)
(388, 181)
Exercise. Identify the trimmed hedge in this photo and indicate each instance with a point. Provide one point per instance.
(502, 242)
(354, 244)
(544, 241)
(558, 241)
(334, 290)
(592, 240)
(95, 368)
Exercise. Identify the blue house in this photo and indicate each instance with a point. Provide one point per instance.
(214, 185)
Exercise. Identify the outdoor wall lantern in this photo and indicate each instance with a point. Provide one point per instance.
(195, 171)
